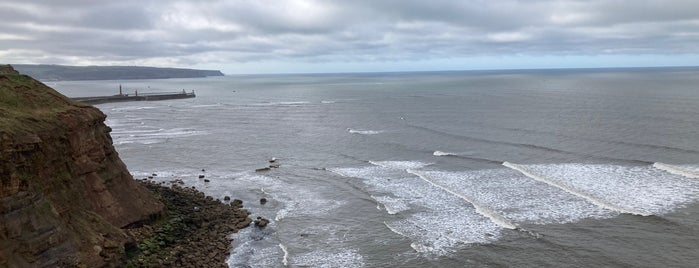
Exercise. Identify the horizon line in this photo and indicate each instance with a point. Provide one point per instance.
(478, 70)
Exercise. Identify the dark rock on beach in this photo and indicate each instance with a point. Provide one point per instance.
(262, 169)
(237, 203)
(193, 233)
(261, 222)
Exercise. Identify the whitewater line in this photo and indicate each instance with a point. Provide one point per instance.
(675, 170)
(494, 217)
(592, 199)
(285, 259)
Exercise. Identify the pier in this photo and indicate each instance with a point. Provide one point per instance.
(155, 96)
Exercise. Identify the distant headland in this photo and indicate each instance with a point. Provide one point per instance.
(72, 73)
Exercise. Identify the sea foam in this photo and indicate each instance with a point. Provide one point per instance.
(686, 171)
(507, 194)
(437, 222)
(641, 190)
(364, 132)
(440, 153)
(327, 258)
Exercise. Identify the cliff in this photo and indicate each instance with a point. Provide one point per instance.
(63, 73)
(64, 192)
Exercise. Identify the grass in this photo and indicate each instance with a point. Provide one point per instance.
(25, 102)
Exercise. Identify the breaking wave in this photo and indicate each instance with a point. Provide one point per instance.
(364, 132)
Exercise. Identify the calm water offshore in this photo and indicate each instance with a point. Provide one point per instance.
(559, 168)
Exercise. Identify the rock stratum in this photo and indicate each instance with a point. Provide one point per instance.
(73, 73)
(64, 192)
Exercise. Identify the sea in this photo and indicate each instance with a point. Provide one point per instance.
(516, 168)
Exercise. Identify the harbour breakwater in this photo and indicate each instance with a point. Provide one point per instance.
(137, 97)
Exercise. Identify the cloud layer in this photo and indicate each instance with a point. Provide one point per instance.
(210, 32)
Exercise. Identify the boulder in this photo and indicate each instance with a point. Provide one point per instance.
(261, 222)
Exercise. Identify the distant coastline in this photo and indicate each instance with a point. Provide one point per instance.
(76, 73)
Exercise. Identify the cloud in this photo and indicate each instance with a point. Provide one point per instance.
(210, 32)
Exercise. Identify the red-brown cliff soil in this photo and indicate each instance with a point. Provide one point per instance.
(64, 192)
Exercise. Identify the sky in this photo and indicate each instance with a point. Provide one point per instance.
(299, 36)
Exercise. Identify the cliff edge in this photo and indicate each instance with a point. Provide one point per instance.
(64, 192)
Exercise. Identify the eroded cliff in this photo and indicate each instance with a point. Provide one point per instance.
(64, 192)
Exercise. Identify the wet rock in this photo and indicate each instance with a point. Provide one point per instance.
(275, 165)
(261, 222)
(273, 160)
(263, 201)
(226, 198)
(206, 180)
(201, 176)
(110, 244)
(262, 169)
(155, 175)
(237, 203)
(187, 238)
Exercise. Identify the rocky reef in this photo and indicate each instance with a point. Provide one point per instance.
(64, 193)
(194, 231)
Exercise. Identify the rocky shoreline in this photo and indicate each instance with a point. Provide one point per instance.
(194, 230)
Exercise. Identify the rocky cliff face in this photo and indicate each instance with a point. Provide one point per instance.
(64, 192)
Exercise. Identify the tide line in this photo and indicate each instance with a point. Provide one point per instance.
(675, 170)
(494, 217)
(573, 191)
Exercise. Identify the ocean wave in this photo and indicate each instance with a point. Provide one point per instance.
(206, 105)
(530, 146)
(133, 108)
(483, 210)
(152, 136)
(285, 258)
(440, 153)
(574, 191)
(400, 165)
(686, 171)
(442, 210)
(364, 132)
(250, 251)
(392, 205)
(349, 258)
(509, 197)
(438, 220)
(640, 190)
(282, 103)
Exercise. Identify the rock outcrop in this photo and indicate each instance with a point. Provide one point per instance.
(64, 192)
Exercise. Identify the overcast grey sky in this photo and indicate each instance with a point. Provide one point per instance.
(256, 36)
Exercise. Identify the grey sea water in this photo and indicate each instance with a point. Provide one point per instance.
(555, 168)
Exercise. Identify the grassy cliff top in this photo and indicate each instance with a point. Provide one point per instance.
(24, 100)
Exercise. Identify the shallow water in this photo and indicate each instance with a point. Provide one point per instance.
(523, 169)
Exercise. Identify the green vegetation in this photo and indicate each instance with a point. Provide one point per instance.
(25, 101)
